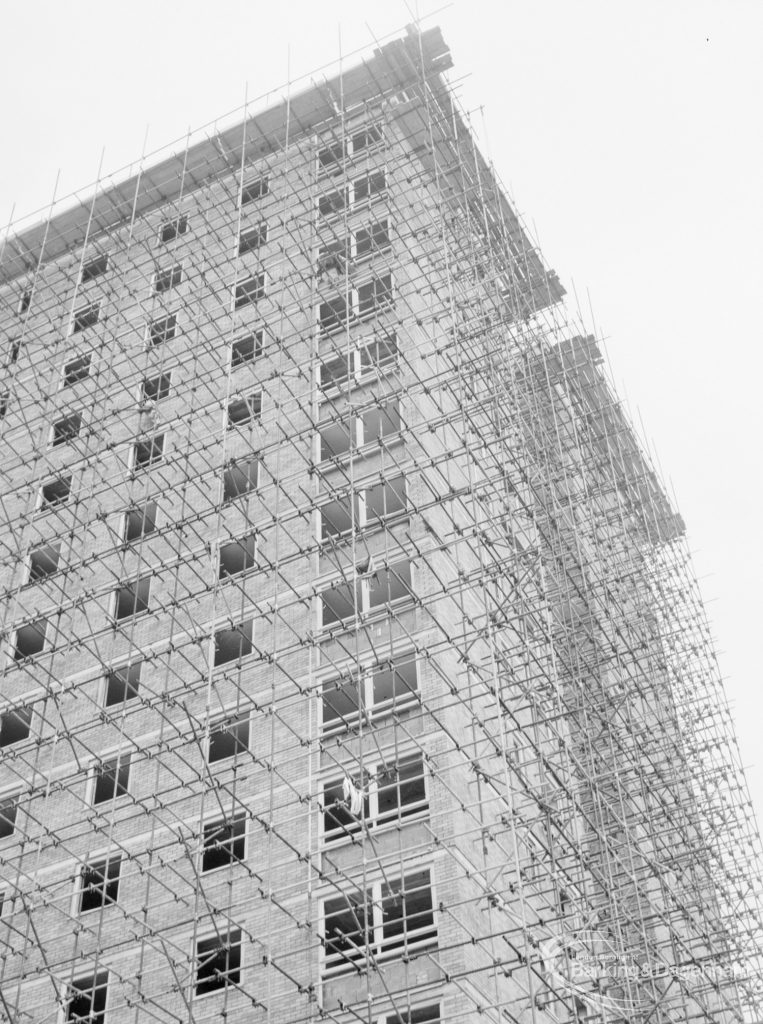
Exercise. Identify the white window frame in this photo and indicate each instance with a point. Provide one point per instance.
(92, 775)
(356, 433)
(5, 793)
(366, 611)
(43, 650)
(116, 667)
(134, 508)
(80, 433)
(175, 221)
(352, 202)
(94, 259)
(98, 304)
(28, 559)
(214, 726)
(263, 180)
(393, 1016)
(73, 359)
(372, 769)
(353, 314)
(204, 936)
(347, 145)
(359, 373)
(364, 683)
(264, 236)
(242, 279)
(140, 401)
(151, 345)
(375, 910)
(111, 853)
(216, 818)
(138, 614)
(150, 435)
(177, 265)
(362, 521)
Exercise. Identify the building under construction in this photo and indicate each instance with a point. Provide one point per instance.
(354, 666)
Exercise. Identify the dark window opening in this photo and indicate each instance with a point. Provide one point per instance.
(25, 301)
(384, 500)
(246, 349)
(171, 229)
(335, 370)
(392, 584)
(366, 137)
(140, 521)
(166, 279)
(335, 439)
(395, 684)
(333, 257)
(330, 157)
(245, 410)
(66, 429)
(333, 202)
(421, 1015)
(15, 725)
(43, 561)
(370, 185)
(122, 684)
(240, 478)
(253, 190)
(341, 701)
(86, 1000)
(407, 911)
(250, 290)
(30, 639)
(380, 352)
(229, 739)
(154, 389)
(224, 843)
(401, 790)
(381, 421)
(94, 268)
(339, 603)
(5, 398)
(345, 929)
(233, 644)
(56, 492)
(338, 819)
(163, 329)
(13, 352)
(111, 779)
(99, 884)
(337, 517)
(333, 314)
(132, 599)
(9, 806)
(251, 239)
(372, 239)
(76, 370)
(218, 962)
(146, 453)
(86, 317)
(238, 556)
(375, 295)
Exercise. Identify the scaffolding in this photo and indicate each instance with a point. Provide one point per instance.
(355, 667)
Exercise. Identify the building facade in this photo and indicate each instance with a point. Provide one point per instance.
(354, 668)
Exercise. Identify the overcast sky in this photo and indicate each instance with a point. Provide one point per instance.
(629, 135)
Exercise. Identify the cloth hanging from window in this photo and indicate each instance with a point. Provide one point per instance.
(352, 797)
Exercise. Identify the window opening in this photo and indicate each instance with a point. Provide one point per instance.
(15, 726)
(154, 389)
(251, 239)
(123, 684)
(254, 190)
(240, 478)
(224, 843)
(140, 521)
(30, 639)
(66, 429)
(162, 329)
(112, 779)
(132, 599)
(168, 278)
(86, 316)
(233, 644)
(99, 883)
(147, 453)
(94, 268)
(56, 492)
(86, 1000)
(43, 561)
(171, 229)
(76, 370)
(250, 290)
(237, 556)
(229, 739)
(246, 349)
(218, 962)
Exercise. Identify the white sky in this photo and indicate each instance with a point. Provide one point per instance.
(629, 135)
